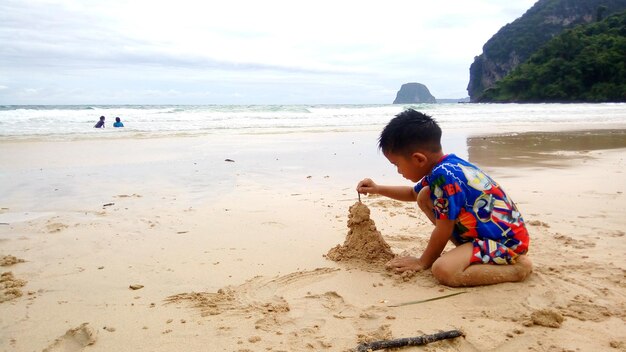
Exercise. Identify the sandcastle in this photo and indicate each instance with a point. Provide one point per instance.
(363, 241)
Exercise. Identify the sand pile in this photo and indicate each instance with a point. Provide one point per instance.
(10, 287)
(9, 260)
(547, 317)
(363, 241)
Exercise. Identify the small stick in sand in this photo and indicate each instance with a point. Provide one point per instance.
(424, 300)
(359, 196)
(408, 341)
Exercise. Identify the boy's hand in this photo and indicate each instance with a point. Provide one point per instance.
(402, 264)
(367, 186)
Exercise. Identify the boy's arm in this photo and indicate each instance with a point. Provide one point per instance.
(437, 242)
(402, 193)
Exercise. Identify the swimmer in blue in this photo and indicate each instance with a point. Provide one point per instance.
(118, 123)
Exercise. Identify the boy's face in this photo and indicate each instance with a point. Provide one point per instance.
(412, 167)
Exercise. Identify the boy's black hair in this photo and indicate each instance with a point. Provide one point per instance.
(408, 132)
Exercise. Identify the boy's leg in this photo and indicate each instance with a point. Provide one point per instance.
(453, 269)
(426, 204)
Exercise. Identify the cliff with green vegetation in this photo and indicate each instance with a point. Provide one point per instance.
(587, 63)
(514, 43)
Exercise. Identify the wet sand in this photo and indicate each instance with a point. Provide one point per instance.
(230, 255)
(541, 148)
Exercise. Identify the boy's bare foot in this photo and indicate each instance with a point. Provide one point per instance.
(402, 264)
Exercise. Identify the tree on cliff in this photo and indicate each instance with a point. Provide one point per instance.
(517, 41)
(587, 63)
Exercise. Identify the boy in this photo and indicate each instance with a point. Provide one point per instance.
(464, 204)
(118, 123)
(100, 123)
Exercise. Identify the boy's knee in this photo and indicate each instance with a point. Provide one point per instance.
(525, 267)
(445, 274)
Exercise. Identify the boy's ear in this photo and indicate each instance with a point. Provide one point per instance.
(420, 158)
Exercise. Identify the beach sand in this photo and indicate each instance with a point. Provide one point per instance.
(219, 243)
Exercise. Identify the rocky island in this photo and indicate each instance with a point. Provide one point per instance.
(411, 93)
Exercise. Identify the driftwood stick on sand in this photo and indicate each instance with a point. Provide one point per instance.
(408, 341)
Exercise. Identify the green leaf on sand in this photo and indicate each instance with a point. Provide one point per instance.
(424, 300)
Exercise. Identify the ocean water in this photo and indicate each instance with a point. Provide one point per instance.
(145, 121)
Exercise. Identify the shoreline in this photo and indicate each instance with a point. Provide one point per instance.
(130, 134)
(184, 220)
(205, 121)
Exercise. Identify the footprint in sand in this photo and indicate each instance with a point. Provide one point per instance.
(571, 242)
(387, 203)
(583, 308)
(302, 321)
(537, 223)
(617, 233)
(55, 227)
(74, 339)
(134, 195)
(257, 294)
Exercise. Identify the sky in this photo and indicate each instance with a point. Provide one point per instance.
(240, 51)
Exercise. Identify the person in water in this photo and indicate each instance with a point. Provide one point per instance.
(118, 123)
(100, 124)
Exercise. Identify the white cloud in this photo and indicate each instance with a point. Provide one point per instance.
(355, 49)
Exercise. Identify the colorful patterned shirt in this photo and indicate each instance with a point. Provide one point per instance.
(484, 214)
